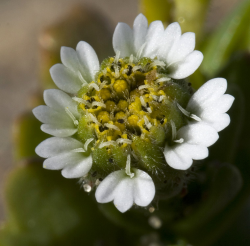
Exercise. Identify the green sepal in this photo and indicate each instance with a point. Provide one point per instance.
(85, 131)
(179, 91)
(158, 135)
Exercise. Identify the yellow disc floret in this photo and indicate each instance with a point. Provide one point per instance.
(105, 94)
(103, 117)
(120, 86)
(132, 120)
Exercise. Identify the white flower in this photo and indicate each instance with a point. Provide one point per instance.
(66, 154)
(175, 50)
(191, 144)
(59, 116)
(125, 188)
(210, 103)
(79, 68)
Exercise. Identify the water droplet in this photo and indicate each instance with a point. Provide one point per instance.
(87, 187)
(151, 209)
(155, 222)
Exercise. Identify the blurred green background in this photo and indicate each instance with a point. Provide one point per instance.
(29, 46)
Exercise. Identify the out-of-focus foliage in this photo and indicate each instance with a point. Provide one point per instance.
(226, 39)
(81, 24)
(43, 208)
(157, 10)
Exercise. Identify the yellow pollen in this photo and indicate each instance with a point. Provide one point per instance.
(103, 117)
(110, 106)
(122, 104)
(105, 94)
(132, 120)
(120, 86)
(120, 115)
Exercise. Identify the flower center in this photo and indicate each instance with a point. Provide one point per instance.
(131, 100)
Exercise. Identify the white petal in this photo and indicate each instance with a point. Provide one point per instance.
(140, 31)
(78, 167)
(59, 100)
(65, 79)
(181, 48)
(171, 36)
(69, 58)
(198, 133)
(186, 67)
(123, 40)
(220, 106)
(175, 159)
(144, 188)
(105, 191)
(55, 146)
(89, 62)
(153, 39)
(60, 161)
(124, 194)
(218, 122)
(196, 152)
(58, 132)
(207, 93)
(50, 116)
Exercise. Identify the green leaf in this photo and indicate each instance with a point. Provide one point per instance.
(191, 15)
(43, 208)
(157, 10)
(226, 39)
(27, 135)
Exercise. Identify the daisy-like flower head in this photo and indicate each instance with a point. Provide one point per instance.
(129, 124)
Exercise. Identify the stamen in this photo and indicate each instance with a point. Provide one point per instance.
(147, 123)
(195, 117)
(157, 63)
(164, 79)
(188, 114)
(161, 98)
(79, 150)
(98, 104)
(173, 130)
(149, 110)
(112, 126)
(141, 87)
(117, 72)
(123, 140)
(104, 71)
(131, 59)
(134, 155)
(125, 71)
(135, 68)
(143, 103)
(87, 143)
(181, 140)
(80, 100)
(71, 116)
(127, 170)
(103, 84)
(117, 56)
(138, 55)
(93, 118)
(104, 144)
(84, 82)
(95, 86)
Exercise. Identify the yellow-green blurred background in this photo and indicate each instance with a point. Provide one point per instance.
(21, 24)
